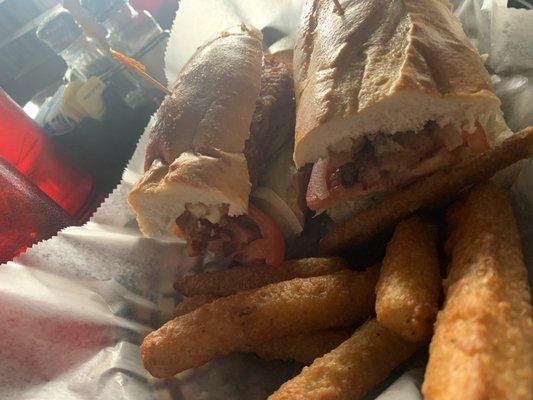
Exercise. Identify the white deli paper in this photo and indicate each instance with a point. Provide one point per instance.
(75, 308)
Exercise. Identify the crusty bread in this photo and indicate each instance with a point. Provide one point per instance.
(383, 66)
(195, 148)
(212, 100)
(162, 193)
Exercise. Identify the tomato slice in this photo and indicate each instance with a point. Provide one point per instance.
(270, 248)
(477, 141)
(177, 231)
(241, 234)
(321, 193)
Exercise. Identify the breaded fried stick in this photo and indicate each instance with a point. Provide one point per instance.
(232, 280)
(352, 369)
(426, 192)
(483, 342)
(409, 285)
(304, 348)
(236, 322)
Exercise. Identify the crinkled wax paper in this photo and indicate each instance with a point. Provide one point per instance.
(75, 308)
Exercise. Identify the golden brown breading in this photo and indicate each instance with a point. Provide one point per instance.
(409, 285)
(236, 322)
(190, 304)
(236, 279)
(425, 192)
(483, 342)
(352, 369)
(303, 348)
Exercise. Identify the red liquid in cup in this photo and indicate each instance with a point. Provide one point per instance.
(25, 146)
(27, 215)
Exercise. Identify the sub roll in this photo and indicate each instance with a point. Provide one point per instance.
(387, 92)
(228, 122)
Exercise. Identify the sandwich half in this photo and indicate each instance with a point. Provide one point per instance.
(387, 92)
(229, 120)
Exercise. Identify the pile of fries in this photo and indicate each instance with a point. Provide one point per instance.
(353, 328)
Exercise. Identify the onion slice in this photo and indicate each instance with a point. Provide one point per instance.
(270, 203)
(319, 179)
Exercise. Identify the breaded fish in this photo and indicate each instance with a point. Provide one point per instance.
(236, 279)
(483, 342)
(236, 322)
(303, 348)
(352, 369)
(409, 286)
(371, 222)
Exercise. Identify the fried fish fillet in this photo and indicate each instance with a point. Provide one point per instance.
(232, 280)
(483, 342)
(236, 322)
(352, 369)
(371, 222)
(409, 286)
(304, 348)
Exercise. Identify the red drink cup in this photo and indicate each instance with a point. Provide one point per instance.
(25, 146)
(27, 215)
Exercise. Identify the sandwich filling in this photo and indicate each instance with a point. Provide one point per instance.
(251, 239)
(380, 163)
(256, 237)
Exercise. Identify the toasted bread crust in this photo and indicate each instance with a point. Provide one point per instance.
(196, 146)
(388, 58)
(212, 100)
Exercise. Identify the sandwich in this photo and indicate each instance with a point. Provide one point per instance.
(217, 143)
(387, 92)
